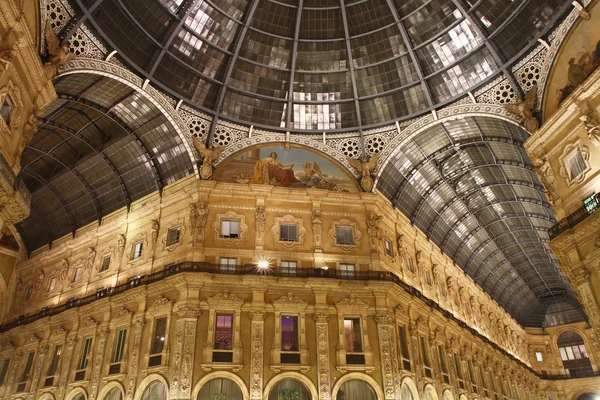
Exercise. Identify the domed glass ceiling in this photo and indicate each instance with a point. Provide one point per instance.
(320, 64)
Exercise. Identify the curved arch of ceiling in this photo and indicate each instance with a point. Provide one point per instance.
(481, 209)
(101, 145)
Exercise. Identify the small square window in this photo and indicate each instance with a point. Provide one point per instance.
(344, 235)
(105, 264)
(388, 247)
(28, 292)
(230, 229)
(347, 270)
(288, 232)
(137, 250)
(52, 285)
(289, 264)
(538, 356)
(78, 273)
(173, 235)
(577, 165)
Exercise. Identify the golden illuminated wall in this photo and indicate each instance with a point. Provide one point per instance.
(447, 318)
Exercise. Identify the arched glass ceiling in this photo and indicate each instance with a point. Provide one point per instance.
(319, 64)
(468, 184)
(100, 146)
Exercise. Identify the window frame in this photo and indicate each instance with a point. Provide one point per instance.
(288, 237)
(78, 273)
(216, 329)
(228, 266)
(229, 222)
(105, 266)
(347, 270)
(135, 255)
(169, 240)
(52, 284)
(348, 231)
(404, 348)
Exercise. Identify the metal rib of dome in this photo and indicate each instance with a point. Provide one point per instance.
(469, 185)
(319, 64)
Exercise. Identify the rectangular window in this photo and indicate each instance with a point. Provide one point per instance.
(230, 229)
(173, 235)
(119, 351)
(472, 376)
(158, 338)
(577, 164)
(227, 264)
(54, 361)
(388, 247)
(288, 232)
(78, 273)
(425, 356)
(27, 368)
(28, 292)
(483, 382)
(288, 264)
(459, 371)
(404, 354)
(289, 333)
(52, 284)
(105, 264)
(344, 235)
(445, 377)
(6, 109)
(427, 277)
(347, 270)
(442, 289)
(563, 354)
(137, 250)
(224, 332)
(409, 265)
(538, 356)
(352, 335)
(85, 354)
(3, 371)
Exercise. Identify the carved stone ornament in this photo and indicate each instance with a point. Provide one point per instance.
(592, 128)
(230, 216)
(123, 313)
(64, 269)
(154, 227)
(209, 155)
(290, 302)
(525, 108)
(356, 234)
(91, 256)
(161, 302)
(365, 166)
(289, 220)
(259, 225)
(570, 151)
(179, 222)
(120, 247)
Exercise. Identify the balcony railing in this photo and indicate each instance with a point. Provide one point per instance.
(574, 374)
(592, 204)
(249, 269)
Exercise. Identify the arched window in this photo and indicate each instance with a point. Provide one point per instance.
(289, 389)
(588, 396)
(574, 355)
(405, 393)
(114, 394)
(79, 396)
(156, 390)
(355, 389)
(220, 389)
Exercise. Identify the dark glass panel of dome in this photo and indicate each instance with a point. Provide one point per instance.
(233, 8)
(254, 109)
(131, 41)
(405, 7)
(186, 82)
(368, 16)
(493, 13)
(211, 25)
(201, 56)
(151, 15)
(377, 46)
(321, 24)
(266, 49)
(385, 77)
(322, 56)
(463, 76)
(314, 87)
(426, 22)
(526, 26)
(448, 49)
(253, 78)
(275, 18)
(324, 116)
(171, 5)
(386, 108)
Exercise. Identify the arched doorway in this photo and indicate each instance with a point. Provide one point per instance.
(430, 393)
(588, 396)
(356, 389)
(156, 390)
(574, 355)
(220, 389)
(405, 393)
(289, 389)
(114, 394)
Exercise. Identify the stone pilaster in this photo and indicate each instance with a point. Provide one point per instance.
(35, 379)
(66, 366)
(16, 364)
(183, 352)
(323, 373)
(388, 356)
(102, 335)
(256, 356)
(138, 328)
(590, 307)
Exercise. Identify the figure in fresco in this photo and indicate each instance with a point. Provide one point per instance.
(579, 70)
(270, 171)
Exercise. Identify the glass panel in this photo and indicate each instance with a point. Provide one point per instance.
(119, 345)
(158, 339)
(344, 235)
(287, 233)
(27, 367)
(87, 345)
(224, 332)
(3, 371)
(352, 335)
(55, 360)
(289, 333)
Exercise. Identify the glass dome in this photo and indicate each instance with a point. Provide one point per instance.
(320, 64)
